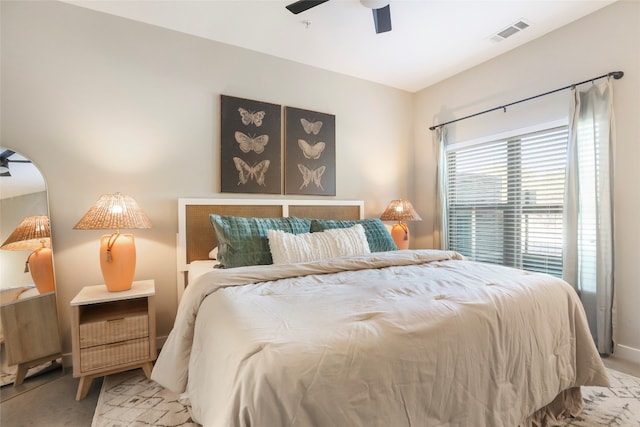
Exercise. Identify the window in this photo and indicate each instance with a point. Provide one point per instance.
(505, 200)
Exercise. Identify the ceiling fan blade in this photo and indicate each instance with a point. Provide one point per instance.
(302, 5)
(382, 19)
(4, 163)
(6, 154)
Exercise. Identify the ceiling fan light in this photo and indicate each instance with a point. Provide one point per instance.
(374, 4)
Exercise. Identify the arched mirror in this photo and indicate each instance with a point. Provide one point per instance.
(29, 336)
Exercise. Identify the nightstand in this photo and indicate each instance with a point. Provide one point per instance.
(112, 332)
(31, 335)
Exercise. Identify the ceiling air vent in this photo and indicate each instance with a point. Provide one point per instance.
(510, 30)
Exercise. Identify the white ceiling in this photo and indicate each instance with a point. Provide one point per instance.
(430, 41)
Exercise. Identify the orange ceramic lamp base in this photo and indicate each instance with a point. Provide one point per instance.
(41, 267)
(400, 235)
(118, 261)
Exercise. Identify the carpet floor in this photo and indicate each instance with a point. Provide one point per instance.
(129, 399)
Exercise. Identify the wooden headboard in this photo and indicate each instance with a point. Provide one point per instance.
(195, 232)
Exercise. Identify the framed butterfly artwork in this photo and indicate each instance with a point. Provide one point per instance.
(310, 152)
(250, 146)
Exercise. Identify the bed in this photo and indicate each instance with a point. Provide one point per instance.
(382, 338)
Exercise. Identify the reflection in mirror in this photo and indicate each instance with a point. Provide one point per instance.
(33, 233)
(29, 335)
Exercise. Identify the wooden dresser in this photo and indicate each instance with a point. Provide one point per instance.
(112, 332)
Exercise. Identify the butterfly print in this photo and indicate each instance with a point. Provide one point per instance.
(311, 175)
(256, 172)
(248, 143)
(249, 117)
(311, 151)
(311, 127)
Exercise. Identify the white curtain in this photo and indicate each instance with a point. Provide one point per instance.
(588, 252)
(441, 215)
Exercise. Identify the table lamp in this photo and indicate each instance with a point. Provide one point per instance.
(117, 251)
(34, 234)
(401, 211)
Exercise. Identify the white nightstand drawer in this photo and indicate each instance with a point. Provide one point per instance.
(104, 356)
(114, 330)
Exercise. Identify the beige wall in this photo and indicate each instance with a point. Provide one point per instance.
(104, 104)
(607, 40)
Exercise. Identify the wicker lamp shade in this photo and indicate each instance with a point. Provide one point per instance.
(32, 233)
(114, 212)
(400, 211)
(117, 251)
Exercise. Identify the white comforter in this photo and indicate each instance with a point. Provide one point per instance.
(405, 338)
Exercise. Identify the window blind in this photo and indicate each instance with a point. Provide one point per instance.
(505, 200)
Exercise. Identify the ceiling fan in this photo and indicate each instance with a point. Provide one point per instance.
(4, 162)
(380, 8)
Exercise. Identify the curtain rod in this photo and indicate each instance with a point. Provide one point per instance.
(615, 74)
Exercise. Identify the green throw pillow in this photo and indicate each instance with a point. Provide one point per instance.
(243, 241)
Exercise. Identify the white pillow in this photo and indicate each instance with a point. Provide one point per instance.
(213, 254)
(287, 248)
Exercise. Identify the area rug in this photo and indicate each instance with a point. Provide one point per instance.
(129, 399)
(615, 406)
